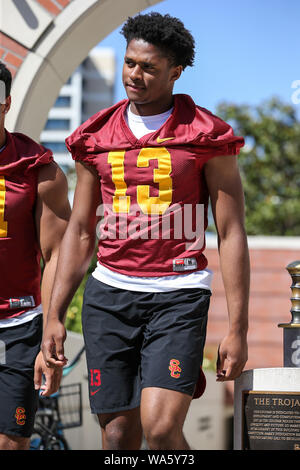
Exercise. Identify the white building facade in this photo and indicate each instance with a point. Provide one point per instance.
(89, 89)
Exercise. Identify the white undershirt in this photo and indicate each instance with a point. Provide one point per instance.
(140, 126)
(23, 318)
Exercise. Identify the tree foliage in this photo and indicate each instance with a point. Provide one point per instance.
(73, 320)
(269, 165)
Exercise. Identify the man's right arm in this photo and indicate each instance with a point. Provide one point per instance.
(76, 251)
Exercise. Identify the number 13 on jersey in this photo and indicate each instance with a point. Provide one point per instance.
(3, 223)
(161, 175)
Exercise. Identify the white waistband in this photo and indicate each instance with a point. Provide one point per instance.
(23, 318)
(197, 279)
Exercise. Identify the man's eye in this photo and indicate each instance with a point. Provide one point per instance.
(149, 68)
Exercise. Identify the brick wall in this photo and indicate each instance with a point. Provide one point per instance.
(53, 6)
(11, 52)
(269, 305)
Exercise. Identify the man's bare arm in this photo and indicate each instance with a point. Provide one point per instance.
(76, 251)
(227, 200)
(52, 213)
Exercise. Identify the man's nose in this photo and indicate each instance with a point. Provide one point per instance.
(136, 73)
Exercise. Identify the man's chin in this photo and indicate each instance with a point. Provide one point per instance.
(133, 98)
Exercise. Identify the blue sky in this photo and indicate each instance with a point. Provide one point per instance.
(246, 50)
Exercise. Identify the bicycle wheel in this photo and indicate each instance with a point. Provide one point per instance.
(57, 443)
(41, 441)
(37, 441)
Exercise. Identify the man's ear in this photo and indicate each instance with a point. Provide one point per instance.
(7, 104)
(176, 72)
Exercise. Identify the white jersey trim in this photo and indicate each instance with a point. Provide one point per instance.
(196, 279)
(23, 318)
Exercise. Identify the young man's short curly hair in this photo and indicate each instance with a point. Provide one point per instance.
(165, 32)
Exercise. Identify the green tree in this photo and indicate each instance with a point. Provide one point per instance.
(73, 319)
(269, 165)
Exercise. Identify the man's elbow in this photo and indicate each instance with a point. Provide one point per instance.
(235, 232)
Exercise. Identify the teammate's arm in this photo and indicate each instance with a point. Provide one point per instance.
(227, 201)
(52, 212)
(76, 251)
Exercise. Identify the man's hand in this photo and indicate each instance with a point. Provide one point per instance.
(53, 344)
(52, 377)
(234, 350)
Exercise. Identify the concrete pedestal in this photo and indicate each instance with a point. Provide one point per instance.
(264, 380)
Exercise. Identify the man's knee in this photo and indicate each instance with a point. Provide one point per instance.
(8, 442)
(121, 431)
(161, 434)
(163, 414)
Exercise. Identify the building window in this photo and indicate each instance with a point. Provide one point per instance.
(57, 125)
(63, 102)
(56, 147)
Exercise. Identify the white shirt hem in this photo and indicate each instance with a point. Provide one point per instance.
(23, 318)
(198, 279)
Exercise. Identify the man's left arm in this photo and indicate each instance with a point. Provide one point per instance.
(52, 214)
(227, 201)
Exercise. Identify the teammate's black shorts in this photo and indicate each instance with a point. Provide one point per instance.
(18, 398)
(139, 339)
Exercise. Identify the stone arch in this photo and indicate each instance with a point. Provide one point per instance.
(43, 41)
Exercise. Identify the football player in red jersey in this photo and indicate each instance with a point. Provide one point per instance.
(149, 165)
(34, 211)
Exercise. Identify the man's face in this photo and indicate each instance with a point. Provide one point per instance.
(148, 77)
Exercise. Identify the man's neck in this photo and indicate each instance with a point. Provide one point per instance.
(151, 109)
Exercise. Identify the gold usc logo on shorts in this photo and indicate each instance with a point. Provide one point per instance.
(174, 368)
(20, 416)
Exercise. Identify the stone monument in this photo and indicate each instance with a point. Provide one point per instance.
(291, 331)
(267, 401)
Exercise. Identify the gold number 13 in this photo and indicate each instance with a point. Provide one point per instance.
(161, 175)
(3, 224)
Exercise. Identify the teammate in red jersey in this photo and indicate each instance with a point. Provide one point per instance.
(34, 210)
(148, 166)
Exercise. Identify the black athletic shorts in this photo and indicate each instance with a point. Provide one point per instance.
(140, 339)
(18, 399)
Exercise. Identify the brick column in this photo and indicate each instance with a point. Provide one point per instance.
(53, 6)
(12, 53)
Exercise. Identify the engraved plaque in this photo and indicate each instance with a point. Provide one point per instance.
(271, 420)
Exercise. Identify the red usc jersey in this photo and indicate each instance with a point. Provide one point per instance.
(153, 189)
(19, 249)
